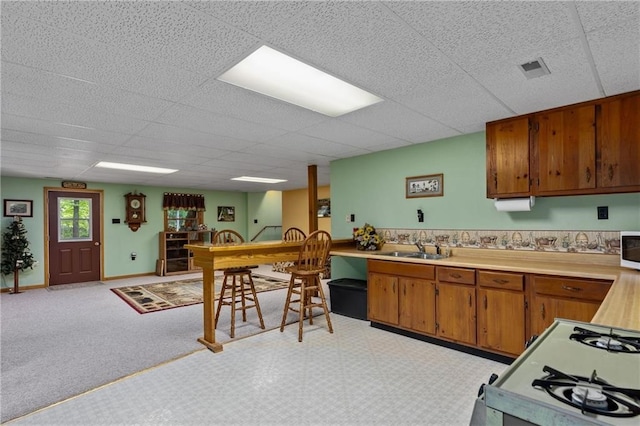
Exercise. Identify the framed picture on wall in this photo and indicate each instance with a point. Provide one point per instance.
(226, 214)
(324, 207)
(21, 208)
(424, 186)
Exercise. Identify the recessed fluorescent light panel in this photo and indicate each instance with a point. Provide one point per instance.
(258, 179)
(275, 74)
(134, 168)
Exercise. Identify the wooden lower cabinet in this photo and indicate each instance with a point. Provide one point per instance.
(562, 297)
(402, 295)
(456, 304)
(382, 298)
(495, 311)
(417, 304)
(501, 312)
(457, 313)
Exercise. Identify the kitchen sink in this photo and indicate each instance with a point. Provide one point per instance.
(398, 253)
(413, 255)
(429, 256)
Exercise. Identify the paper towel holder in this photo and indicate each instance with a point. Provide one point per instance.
(514, 204)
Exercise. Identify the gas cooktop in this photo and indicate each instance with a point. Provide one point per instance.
(574, 373)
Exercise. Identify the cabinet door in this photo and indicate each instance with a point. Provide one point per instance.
(508, 158)
(619, 143)
(501, 320)
(417, 300)
(456, 312)
(545, 309)
(382, 298)
(565, 150)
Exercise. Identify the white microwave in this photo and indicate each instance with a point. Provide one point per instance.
(630, 249)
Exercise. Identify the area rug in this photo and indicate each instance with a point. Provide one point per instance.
(174, 294)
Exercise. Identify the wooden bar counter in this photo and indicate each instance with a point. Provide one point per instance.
(214, 257)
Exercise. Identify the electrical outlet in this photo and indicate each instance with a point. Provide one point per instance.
(603, 212)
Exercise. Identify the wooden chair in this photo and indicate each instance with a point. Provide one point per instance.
(234, 288)
(294, 234)
(305, 281)
(291, 234)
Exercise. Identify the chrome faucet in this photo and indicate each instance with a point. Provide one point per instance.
(420, 246)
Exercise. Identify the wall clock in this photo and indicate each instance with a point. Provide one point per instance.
(135, 210)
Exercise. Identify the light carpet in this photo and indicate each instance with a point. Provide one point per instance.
(57, 344)
(184, 292)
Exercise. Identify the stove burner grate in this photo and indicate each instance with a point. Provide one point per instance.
(610, 342)
(590, 394)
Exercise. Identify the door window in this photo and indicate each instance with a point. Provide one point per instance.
(74, 219)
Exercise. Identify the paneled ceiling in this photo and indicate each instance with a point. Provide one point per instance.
(135, 81)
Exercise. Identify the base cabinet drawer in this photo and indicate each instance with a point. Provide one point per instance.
(571, 288)
(564, 297)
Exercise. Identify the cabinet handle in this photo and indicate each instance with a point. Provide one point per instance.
(610, 171)
(485, 302)
(455, 275)
(588, 174)
(500, 281)
(469, 299)
(566, 287)
(542, 311)
(393, 287)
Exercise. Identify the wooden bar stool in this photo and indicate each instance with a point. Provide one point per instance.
(305, 288)
(234, 287)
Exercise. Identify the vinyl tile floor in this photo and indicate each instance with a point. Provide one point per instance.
(358, 375)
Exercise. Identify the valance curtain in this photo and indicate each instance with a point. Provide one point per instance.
(183, 201)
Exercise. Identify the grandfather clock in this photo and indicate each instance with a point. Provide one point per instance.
(135, 210)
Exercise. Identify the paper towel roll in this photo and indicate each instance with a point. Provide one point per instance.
(514, 204)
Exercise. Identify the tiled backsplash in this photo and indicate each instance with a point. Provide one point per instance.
(598, 242)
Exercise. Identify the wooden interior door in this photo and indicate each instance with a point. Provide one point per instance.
(74, 237)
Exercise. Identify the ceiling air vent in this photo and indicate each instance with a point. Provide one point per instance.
(534, 69)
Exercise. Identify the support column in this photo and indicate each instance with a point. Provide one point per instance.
(312, 183)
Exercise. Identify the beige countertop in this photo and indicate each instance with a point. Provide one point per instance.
(620, 308)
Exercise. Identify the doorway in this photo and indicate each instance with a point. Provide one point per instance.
(74, 236)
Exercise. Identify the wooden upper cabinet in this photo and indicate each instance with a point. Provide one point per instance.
(618, 147)
(564, 151)
(508, 158)
(587, 148)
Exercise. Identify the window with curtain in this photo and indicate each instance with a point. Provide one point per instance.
(183, 212)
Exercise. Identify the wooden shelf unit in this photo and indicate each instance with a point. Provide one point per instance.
(175, 258)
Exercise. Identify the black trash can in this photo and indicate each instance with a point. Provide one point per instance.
(349, 297)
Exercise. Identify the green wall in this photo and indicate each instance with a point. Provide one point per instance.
(119, 241)
(372, 187)
(266, 209)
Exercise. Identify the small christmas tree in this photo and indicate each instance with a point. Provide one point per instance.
(16, 255)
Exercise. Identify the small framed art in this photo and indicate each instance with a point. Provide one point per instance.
(21, 208)
(424, 186)
(226, 214)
